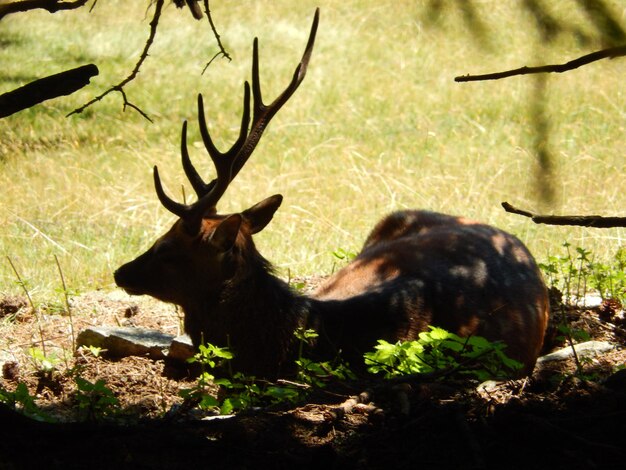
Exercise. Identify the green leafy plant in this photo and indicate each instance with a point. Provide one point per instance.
(316, 374)
(239, 392)
(575, 274)
(95, 351)
(94, 399)
(45, 363)
(344, 255)
(21, 400)
(610, 279)
(210, 357)
(439, 351)
(569, 273)
(296, 284)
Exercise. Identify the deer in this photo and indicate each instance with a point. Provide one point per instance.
(416, 268)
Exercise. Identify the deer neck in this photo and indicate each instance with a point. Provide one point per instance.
(255, 314)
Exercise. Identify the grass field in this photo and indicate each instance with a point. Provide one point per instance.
(378, 124)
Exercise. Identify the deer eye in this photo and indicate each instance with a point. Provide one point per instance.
(166, 251)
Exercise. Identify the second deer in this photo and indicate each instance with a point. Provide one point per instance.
(416, 268)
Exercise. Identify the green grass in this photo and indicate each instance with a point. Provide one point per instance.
(377, 125)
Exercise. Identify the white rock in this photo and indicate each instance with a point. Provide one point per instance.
(589, 348)
(126, 341)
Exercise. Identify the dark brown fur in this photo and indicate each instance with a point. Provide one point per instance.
(416, 269)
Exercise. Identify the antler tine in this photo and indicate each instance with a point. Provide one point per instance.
(191, 214)
(214, 153)
(199, 186)
(264, 113)
(176, 208)
(184, 211)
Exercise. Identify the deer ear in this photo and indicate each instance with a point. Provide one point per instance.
(259, 215)
(226, 232)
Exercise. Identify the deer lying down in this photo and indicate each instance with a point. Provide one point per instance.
(416, 268)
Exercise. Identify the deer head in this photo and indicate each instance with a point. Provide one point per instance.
(201, 248)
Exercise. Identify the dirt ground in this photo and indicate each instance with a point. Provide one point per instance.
(556, 419)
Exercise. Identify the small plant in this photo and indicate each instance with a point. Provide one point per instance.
(21, 400)
(575, 275)
(242, 392)
(344, 255)
(95, 400)
(571, 336)
(95, 351)
(610, 279)
(212, 356)
(298, 286)
(24, 285)
(316, 374)
(439, 351)
(209, 357)
(44, 363)
(569, 274)
(239, 392)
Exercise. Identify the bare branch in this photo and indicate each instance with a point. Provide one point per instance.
(51, 6)
(144, 55)
(222, 51)
(595, 221)
(131, 105)
(610, 53)
(63, 83)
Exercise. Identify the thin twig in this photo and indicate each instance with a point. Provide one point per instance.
(222, 51)
(595, 221)
(144, 55)
(67, 303)
(217, 54)
(131, 105)
(22, 283)
(610, 53)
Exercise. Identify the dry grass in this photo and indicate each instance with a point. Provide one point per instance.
(378, 124)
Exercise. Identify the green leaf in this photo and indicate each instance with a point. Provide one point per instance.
(208, 402)
(223, 382)
(281, 394)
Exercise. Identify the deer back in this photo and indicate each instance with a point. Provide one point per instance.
(419, 268)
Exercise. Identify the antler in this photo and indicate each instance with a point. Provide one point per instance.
(229, 163)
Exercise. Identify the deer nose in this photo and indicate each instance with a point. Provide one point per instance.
(122, 281)
(119, 278)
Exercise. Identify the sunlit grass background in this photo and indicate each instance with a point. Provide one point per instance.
(378, 124)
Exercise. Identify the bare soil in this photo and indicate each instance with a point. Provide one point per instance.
(556, 419)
